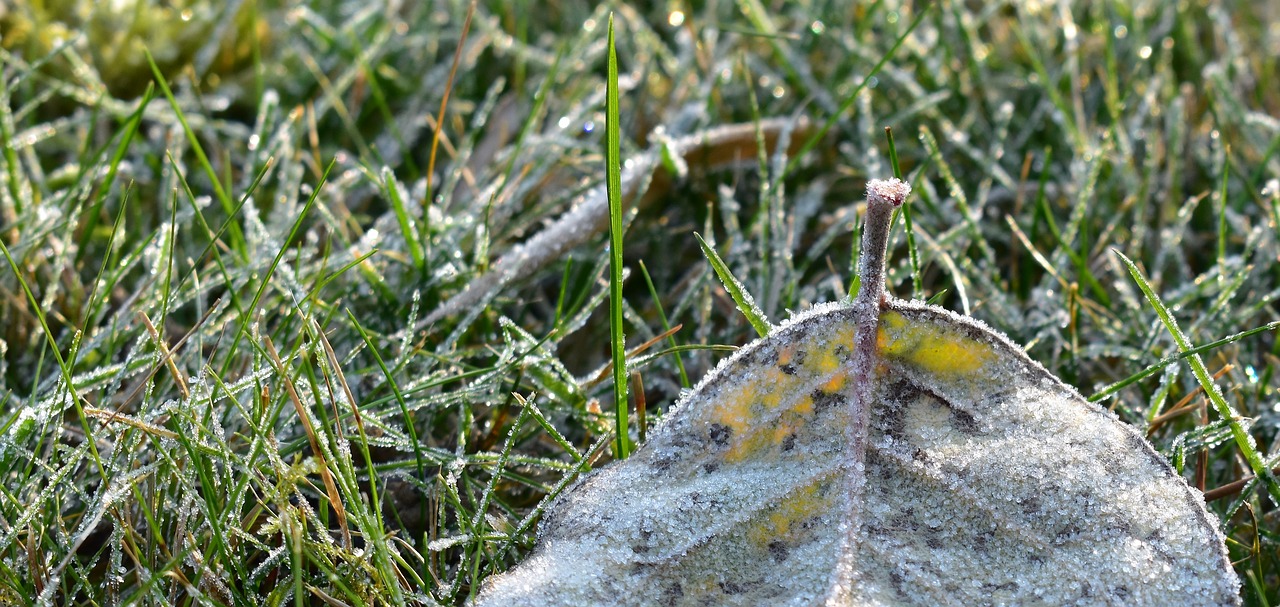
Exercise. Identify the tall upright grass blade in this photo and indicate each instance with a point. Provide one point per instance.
(613, 170)
(913, 254)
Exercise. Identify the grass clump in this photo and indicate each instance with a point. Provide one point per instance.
(250, 357)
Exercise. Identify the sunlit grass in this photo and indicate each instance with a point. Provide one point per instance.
(253, 354)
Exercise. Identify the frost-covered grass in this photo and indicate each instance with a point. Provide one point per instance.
(226, 299)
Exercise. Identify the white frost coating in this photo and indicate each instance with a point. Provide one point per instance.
(883, 453)
(892, 191)
(988, 482)
(445, 543)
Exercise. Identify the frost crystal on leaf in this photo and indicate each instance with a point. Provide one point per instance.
(927, 461)
(893, 190)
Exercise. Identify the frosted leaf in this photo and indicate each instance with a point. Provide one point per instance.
(988, 481)
(879, 453)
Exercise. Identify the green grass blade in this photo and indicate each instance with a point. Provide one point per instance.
(666, 324)
(613, 168)
(408, 228)
(1168, 360)
(63, 365)
(740, 297)
(395, 389)
(126, 138)
(1243, 440)
(237, 239)
(913, 253)
(247, 315)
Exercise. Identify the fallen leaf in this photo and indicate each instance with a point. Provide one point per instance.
(934, 464)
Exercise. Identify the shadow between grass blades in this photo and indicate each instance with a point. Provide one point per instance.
(879, 452)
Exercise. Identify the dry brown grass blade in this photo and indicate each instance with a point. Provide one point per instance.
(637, 391)
(118, 417)
(168, 355)
(1232, 488)
(605, 371)
(337, 370)
(331, 488)
(179, 378)
(1184, 405)
(444, 101)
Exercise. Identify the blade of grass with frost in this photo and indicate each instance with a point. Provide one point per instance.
(741, 298)
(407, 228)
(247, 314)
(295, 558)
(370, 522)
(962, 201)
(1077, 225)
(63, 367)
(208, 500)
(237, 239)
(555, 434)
(126, 138)
(1238, 432)
(90, 309)
(764, 216)
(564, 291)
(211, 248)
(1168, 360)
(268, 348)
(166, 285)
(478, 522)
(322, 283)
(613, 169)
(395, 389)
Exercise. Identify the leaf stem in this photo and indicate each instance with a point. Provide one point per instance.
(883, 197)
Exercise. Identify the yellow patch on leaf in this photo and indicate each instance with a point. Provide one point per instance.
(932, 347)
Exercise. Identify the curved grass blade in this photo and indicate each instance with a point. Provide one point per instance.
(745, 303)
(1172, 358)
(1238, 432)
